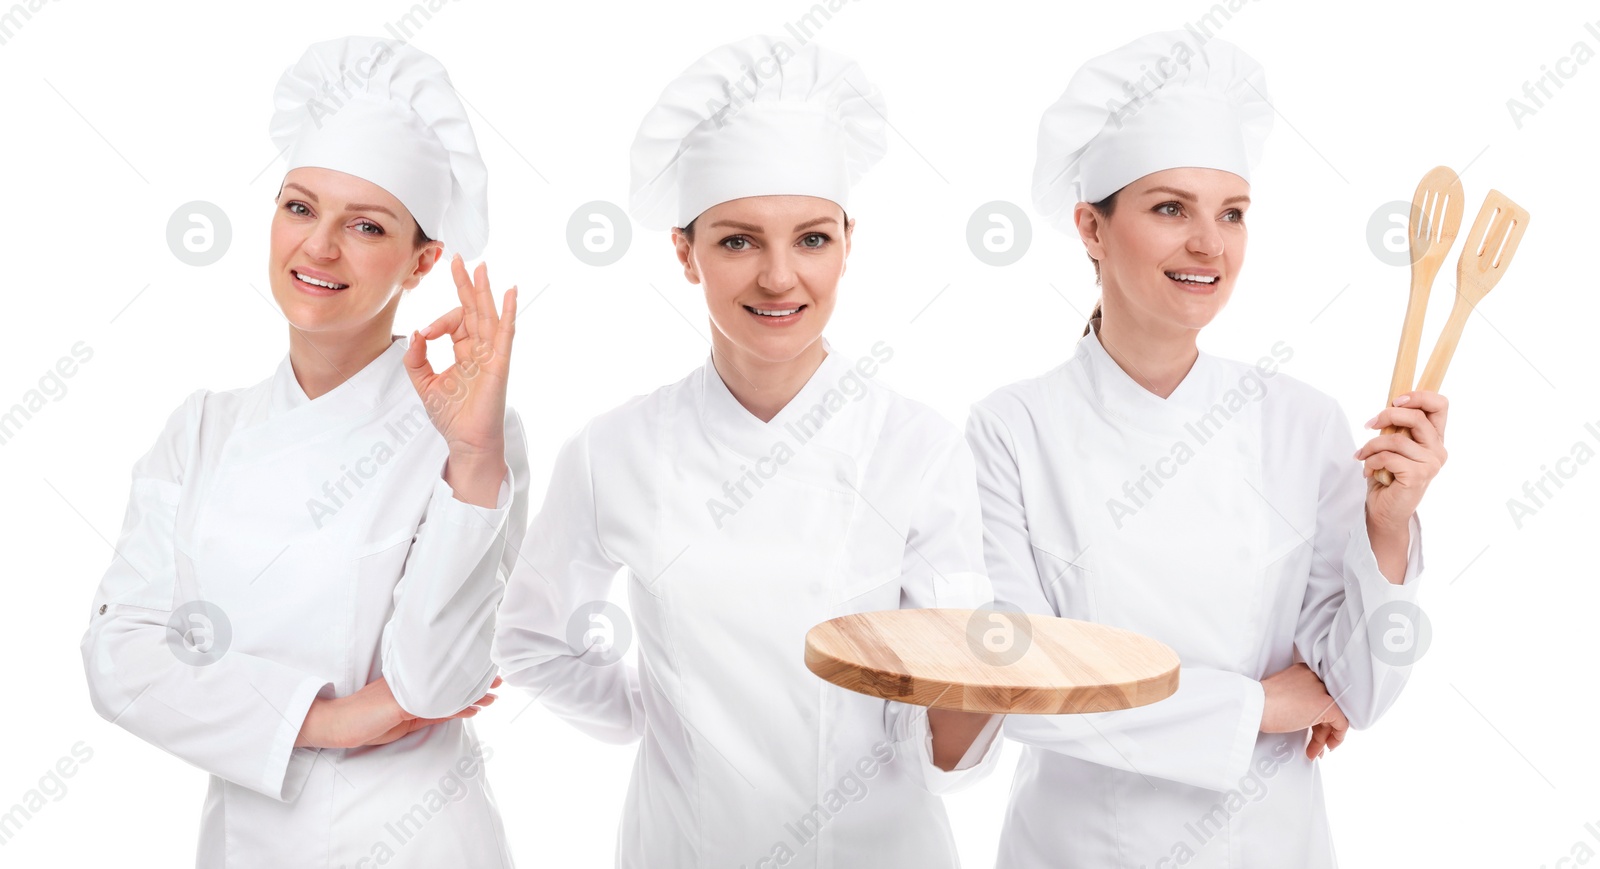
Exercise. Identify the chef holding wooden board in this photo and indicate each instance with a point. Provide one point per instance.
(772, 488)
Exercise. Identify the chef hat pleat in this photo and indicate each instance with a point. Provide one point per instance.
(1164, 101)
(387, 113)
(756, 117)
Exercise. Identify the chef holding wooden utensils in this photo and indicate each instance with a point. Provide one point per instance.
(774, 487)
(1209, 504)
(1435, 219)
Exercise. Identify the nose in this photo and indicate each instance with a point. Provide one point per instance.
(1205, 239)
(777, 271)
(322, 243)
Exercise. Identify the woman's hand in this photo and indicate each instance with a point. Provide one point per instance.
(1295, 700)
(1413, 455)
(953, 733)
(1324, 735)
(370, 716)
(467, 401)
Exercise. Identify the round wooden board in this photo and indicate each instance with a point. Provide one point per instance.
(991, 661)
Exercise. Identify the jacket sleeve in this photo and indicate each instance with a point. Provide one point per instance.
(943, 567)
(562, 576)
(436, 642)
(1349, 603)
(231, 714)
(1203, 735)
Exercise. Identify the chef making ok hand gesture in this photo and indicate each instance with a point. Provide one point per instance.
(1214, 505)
(308, 570)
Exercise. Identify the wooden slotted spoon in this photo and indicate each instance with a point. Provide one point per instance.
(1435, 219)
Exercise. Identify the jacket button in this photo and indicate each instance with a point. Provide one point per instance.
(102, 609)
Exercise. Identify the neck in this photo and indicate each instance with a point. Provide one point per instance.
(323, 360)
(763, 386)
(1156, 356)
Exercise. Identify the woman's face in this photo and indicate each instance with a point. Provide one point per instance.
(334, 228)
(770, 266)
(1172, 247)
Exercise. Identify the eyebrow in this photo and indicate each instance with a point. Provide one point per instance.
(749, 227)
(1190, 197)
(354, 206)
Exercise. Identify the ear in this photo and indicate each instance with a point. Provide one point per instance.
(426, 259)
(849, 230)
(685, 250)
(1090, 225)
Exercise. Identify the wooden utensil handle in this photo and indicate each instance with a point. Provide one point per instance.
(1382, 476)
(1438, 362)
(1405, 360)
(1445, 348)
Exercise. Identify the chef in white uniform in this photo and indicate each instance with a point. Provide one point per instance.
(776, 486)
(302, 600)
(1214, 505)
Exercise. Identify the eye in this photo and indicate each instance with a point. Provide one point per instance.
(815, 240)
(297, 208)
(1176, 209)
(1233, 215)
(367, 227)
(736, 242)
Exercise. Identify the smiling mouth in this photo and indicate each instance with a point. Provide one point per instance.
(327, 285)
(1193, 280)
(775, 312)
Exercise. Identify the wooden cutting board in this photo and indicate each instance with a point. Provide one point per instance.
(991, 661)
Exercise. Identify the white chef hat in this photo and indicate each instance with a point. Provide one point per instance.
(387, 113)
(1163, 101)
(756, 117)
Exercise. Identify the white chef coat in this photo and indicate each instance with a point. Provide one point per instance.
(735, 536)
(325, 534)
(1226, 521)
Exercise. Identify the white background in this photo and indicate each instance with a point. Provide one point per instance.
(118, 113)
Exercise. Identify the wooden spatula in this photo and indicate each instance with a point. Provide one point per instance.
(1490, 245)
(1431, 230)
(942, 658)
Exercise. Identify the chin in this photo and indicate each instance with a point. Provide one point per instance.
(1191, 320)
(309, 319)
(776, 348)
(1198, 313)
